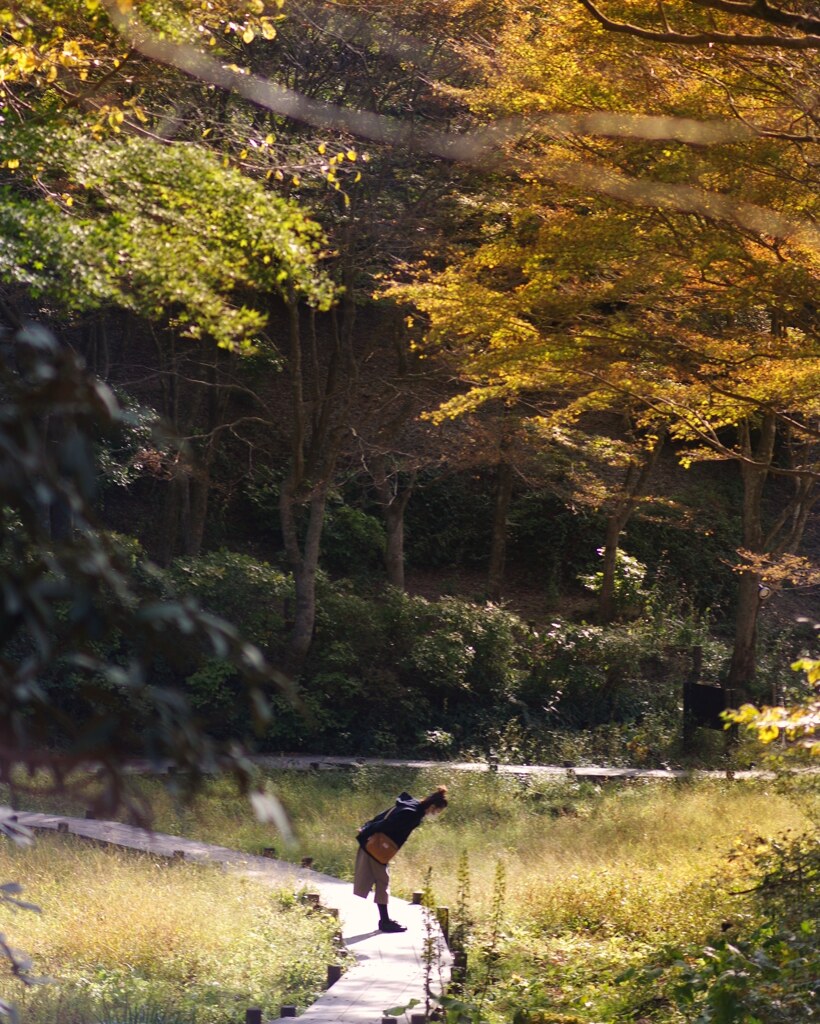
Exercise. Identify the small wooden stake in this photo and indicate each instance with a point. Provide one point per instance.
(334, 972)
(443, 917)
(253, 1015)
(287, 1011)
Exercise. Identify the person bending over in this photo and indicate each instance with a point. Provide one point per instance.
(391, 829)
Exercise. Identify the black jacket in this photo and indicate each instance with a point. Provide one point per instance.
(397, 821)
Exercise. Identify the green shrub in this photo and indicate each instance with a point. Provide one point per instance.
(387, 671)
(448, 521)
(246, 591)
(250, 593)
(765, 964)
(550, 542)
(352, 541)
(628, 591)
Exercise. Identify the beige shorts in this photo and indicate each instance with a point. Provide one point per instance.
(367, 873)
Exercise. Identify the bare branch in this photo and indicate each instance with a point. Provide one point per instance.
(806, 42)
(761, 11)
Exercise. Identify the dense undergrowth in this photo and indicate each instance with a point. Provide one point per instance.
(395, 674)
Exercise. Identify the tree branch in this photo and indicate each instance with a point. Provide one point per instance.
(761, 11)
(806, 42)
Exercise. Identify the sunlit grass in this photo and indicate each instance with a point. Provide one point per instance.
(115, 926)
(637, 859)
(597, 876)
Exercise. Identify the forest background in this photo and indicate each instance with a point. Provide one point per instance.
(463, 354)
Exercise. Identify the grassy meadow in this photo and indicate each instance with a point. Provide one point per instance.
(565, 888)
(566, 885)
(129, 936)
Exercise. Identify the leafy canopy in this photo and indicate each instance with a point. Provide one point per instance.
(166, 231)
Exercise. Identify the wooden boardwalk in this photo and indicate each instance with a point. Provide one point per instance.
(389, 970)
(592, 773)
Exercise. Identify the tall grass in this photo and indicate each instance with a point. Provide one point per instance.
(614, 855)
(137, 934)
(599, 877)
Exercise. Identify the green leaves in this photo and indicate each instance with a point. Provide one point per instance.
(166, 231)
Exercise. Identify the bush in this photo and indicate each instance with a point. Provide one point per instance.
(766, 963)
(254, 596)
(393, 674)
(552, 542)
(248, 592)
(385, 671)
(353, 542)
(628, 591)
(448, 521)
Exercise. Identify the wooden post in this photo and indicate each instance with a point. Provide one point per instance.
(62, 826)
(418, 896)
(287, 1011)
(253, 1015)
(418, 1018)
(334, 972)
(269, 851)
(307, 862)
(443, 916)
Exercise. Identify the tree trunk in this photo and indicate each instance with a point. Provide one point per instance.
(606, 596)
(498, 545)
(394, 545)
(60, 431)
(754, 471)
(304, 562)
(199, 489)
(315, 441)
(744, 653)
(202, 457)
(634, 488)
(393, 498)
(173, 495)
